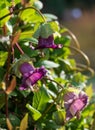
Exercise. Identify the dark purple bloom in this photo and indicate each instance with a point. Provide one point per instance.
(47, 43)
(74, 103)
(30, 75)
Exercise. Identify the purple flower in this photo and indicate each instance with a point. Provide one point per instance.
(30, 75)
(74, 103)
(47, 43)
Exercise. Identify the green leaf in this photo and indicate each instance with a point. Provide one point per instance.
(25, 93)
(65, 40)
(89, 91)
(54, 25)
(14, 120)
(28, 50)
(31, 15)
(35, 114)
(79, 80)
(46, 29)
(26, 34)
(38, 5)
(16, 1)
(2, 13)
(24, 122)
(66, 64)
(40, 99)
(48, 64)
(59, 117)
(50, 17)
(3, 57)
(33, 40)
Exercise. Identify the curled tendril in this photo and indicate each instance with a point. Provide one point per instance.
(82, 53)
(19, 10)
(72, 36)
(54, 82)
(85, 68)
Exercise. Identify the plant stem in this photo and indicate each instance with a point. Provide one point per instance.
(93, 124)
(7, 79)
(6, 101)
(85, 68)
(82, 53)
(55, 82)
(74, 38)
(19, 48)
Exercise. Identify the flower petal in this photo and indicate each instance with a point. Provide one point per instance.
(47, 43)
(26, 68)
(37, 75)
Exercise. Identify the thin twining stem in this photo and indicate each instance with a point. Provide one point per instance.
(19, 10)
(74, 38)
(55, 82)
(19, 48)
(82, 53)
(84, 67)
(7, 79)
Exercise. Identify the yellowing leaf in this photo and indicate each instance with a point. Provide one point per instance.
(61, 128)
(89, 91)
(9, 125)
(3, 85)
(24, 122)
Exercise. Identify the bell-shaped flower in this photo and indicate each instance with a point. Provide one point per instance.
(74, 103)
(30, 75)
(47, 43)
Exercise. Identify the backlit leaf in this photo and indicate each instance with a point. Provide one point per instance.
(2, 13)
(59, 117)
(34, 113)
(3, 57)
(30, 15)
(89, 91)
(40, 99)
(49, 64)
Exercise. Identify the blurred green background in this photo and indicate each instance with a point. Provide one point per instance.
(79, 17)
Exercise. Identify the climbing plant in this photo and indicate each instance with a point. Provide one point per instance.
(41, 86)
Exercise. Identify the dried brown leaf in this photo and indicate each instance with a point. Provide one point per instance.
(12, 85)
(9, 125)
(16, 38)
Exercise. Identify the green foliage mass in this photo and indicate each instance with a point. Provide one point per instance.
(42, 107)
